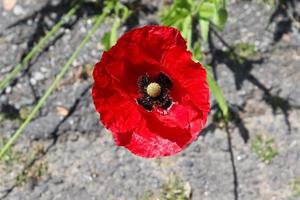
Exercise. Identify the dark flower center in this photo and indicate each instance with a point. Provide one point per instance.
(154, 91)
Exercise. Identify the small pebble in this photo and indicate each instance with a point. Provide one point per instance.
(38, 76)
(18, 10)
(8, 90)
(241, 157)
(33, 81)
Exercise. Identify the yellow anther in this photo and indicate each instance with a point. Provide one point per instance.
(153, 89)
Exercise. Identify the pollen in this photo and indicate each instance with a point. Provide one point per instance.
(153, 89)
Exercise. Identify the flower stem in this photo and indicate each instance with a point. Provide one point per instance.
(38, 47)
(54, 84)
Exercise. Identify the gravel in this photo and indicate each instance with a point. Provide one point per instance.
(82, 160)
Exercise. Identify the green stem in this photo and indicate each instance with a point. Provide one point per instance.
(38, 47)
(54, 84)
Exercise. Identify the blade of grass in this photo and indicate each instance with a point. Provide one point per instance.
(38, 46)
(54, 84)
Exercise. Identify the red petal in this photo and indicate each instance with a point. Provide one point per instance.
(151, 50)
(153, 40)
(189, 77)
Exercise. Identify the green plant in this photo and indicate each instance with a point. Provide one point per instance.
(119, 15)
(183, 14)
(11, 156)
(39, 46)
(31, 169)
(174, 189)
(2, 117)
(25, 161)
(218, 94)
(242, 51)
(295, 186)
(35, 172)
(245, 49)
(264, 147)
(100, 18)
(148, 195)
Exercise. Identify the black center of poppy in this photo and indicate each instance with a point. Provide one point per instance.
(154, 91)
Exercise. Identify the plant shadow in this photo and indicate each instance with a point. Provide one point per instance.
(241, 68)
(235, 119)
(284, 15)
(45, 18)
(138, 8)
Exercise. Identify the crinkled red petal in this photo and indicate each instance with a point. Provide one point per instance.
(151, 50)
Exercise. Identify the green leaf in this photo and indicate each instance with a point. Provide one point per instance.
(120, 13)
(217, 92)
(114, 34)
(206, 11)
(110, 38)
(197, 53)
(183, 4)
(106, 41)
(204, 27)
(187, 31)
(220, 18)
(176, 13)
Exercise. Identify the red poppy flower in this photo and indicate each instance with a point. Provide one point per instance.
(149, 93)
